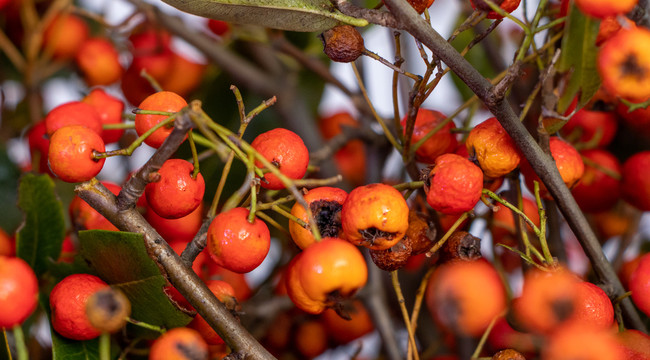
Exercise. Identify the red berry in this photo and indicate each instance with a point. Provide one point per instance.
(640, 285)
(635, 182)
(18, 291)
(110, 111)
(176, 194)
(161, 101)
(286, 151)
(237, 244)
(71, 153)
(68, 302)
(73, 113)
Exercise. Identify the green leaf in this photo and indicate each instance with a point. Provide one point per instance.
(292, 15)
(66, 349)
(579, 52)
(41, 234)
(121, 259)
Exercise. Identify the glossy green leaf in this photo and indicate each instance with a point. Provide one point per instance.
(292, 15)
(121, 259)
(579, 53)
(66, 349)
(41, 234)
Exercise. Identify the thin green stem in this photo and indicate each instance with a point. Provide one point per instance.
(254, 183)
(413, 185)
(542, 225)
(126, 125)
(153, 82)
(105, 346)
(387, 133)
(445, 237)
(195, 155)
(486, 333)
(145, 325)
(269, 220)
(21, 347)
(222, 182)
(278, 209)
(283, 200)
(390, 65)
(514, 209)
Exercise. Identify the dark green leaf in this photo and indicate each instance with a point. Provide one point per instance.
(121, 259)
(66, 349)
(293, 15)
(40, 236)
(579, 52)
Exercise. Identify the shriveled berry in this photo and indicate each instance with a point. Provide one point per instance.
(107, 310)
(393, 258)
(342, 43)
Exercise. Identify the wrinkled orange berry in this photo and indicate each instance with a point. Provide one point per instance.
(454, 184)
(495, 151)
(325, 204)
(375, 216)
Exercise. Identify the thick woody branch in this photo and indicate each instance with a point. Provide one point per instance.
(540, 162)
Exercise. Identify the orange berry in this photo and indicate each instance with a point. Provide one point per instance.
(152, 52)
(324, 274)
(334, 124)
(235, 243)
(176, 194)
(284, 149)
(610, 26)
(604, 8)
(161, 101)
(345, 331)
(442, 142)
(7, 244)
(226, 294)
(548, 299)
(586, 125)
(85, 217)
(635, 182)
(73, 113)
(598, 191)
(568, 161)
(99, 62)
(238, 281)
(68, 302)
(375, 216)
(495, 151)
(624, 66)
(592, 307)
(575, 341)
(18, 291)
(310, 339)
(454, 184)
(465, 296)
(64, 35)
(640, 285)
(71, 153)
(325, 204)
(184, 76)
(110, 111)
(179, 344)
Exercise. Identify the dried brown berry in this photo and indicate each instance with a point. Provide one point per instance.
(107, 310)
(461, 246)
(421, 231)
(342, 43)
(392, 258)
(508, 354)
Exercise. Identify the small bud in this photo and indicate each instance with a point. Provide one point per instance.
(342, 43)
(107, 310)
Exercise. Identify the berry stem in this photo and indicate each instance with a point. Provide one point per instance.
(417, 305)
(380, 120)
(278, 209)
(105, 346)
(153, 82)
(407, 322)
(448, 234)
(195, 156)
(485, 335)
(542, 225)
(269, 220)
(19, 338)
(514, 209)
(254, 186)
(127, 125)
(145, 325)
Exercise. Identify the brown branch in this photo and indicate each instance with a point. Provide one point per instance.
(373, 16)
(540, 162)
